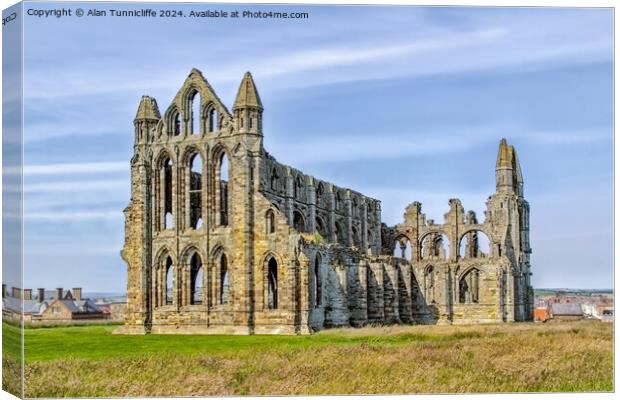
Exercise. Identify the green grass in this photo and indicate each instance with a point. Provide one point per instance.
(11, 359)
(90, 361)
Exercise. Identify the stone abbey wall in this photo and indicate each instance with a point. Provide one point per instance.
(221, 238)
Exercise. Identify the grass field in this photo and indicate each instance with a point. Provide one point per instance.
(90, 361)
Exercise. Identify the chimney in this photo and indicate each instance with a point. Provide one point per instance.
(3, 290)
(16, 293)
(77, 293)
(59, 293)
(41, 294)
(27, 294)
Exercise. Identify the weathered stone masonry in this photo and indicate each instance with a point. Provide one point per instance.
(221, 238)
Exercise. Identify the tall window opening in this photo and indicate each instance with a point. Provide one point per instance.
(298, 222)
(429, 284)
(320, 190)
(175, 123)
(402, 248)
(169, 280)
(318, 293)
(167, 194)
(224, 188)
(270, 220)
(274, 179)
(474, 244)
(195, 191)
(212, 122)
(338, 205)
(195, 113)
(468, 287)
(298, 188)
(196, 279)
(223, 280)
(272, 284)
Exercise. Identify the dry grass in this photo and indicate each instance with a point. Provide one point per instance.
(575, 356)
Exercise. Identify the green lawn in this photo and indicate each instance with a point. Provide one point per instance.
(90, 361)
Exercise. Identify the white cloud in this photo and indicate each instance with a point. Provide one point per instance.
(74, 215)
(70, 168)
(76, 186)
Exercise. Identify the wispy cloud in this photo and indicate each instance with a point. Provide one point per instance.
(76, 186)
(339, 148)
(70, 168)
(75, 215)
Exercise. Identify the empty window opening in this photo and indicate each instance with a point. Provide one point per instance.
(270, 220)
(474, 244)
(223, 280)
(212, 122)
(169, 280)
(320, 226)
(356, 237)
(167, 200)
(468, 287)
(176, 123)
(339, 233)
(434, 246)
(298, 188)
(196, 276)
(298, 222)
(274, 179)
(195, 191)
(402, 248)
(429, 284)
(195, 113)
(224, 189)
(272, 284)
(319, 194)
(338, 201)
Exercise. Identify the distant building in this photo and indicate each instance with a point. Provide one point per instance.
(566, 311)
(57, 306)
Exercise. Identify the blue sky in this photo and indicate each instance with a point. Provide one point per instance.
(400, 103)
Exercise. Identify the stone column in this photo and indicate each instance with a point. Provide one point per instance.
(364, 233)
(349, 220)
(310, 221)
(331, 205)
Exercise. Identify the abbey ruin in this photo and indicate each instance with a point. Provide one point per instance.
(222, 238)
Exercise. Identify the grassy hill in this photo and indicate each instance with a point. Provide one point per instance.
(89, 361)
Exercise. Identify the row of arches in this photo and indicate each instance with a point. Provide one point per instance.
(189, 178)
(467, 289)
(195, 287)
(202, 117)
(435, 245)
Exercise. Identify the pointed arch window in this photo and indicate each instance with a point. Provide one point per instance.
(270, 220)
(298, 188)
(298, 222)
(469, 287)
(338, 201)
(212, 119)
(274, 179)
(272, 284)
(195, 103)
(224, 280)
(169, 280)
(429, 284)
(320, 190)
(224, 189)
(166, 193)
(195, 191)
(196, 279)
